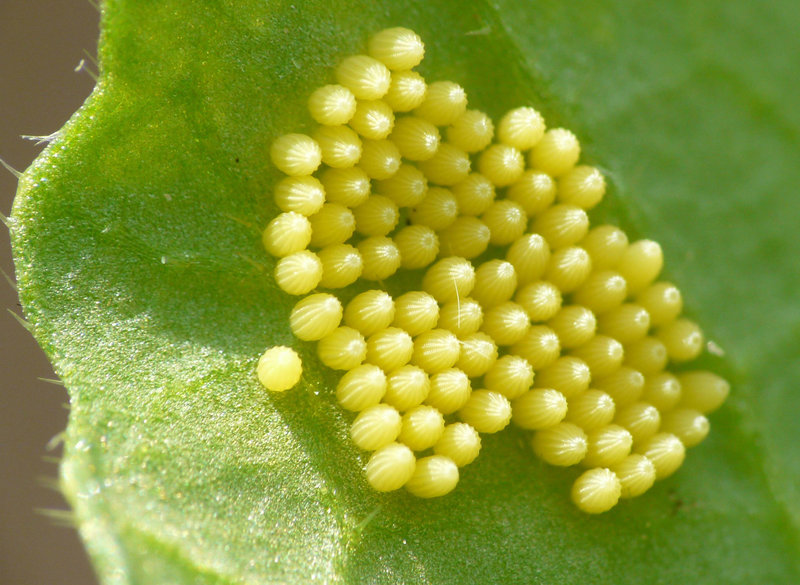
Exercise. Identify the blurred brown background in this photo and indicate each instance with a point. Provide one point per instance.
(41, 43)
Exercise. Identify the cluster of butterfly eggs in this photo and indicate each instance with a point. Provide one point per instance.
(567, 336)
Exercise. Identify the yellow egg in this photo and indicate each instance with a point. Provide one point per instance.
(625, 386)
(501, 164)
(365, 77)
(534, 190)
(417, 312)
(444, 102)
(690, 426)
(662, 390)
(296, 154)
(605, 244)
(418, 246)
(389, 348)
(596, 491)
(407, 187)
(703, 391)
(437, 211)
(663, 302)
(460, 442)
(406, 387)
(449, 279)
(398, 48)
(563, 444)
(347, 187)
(682, 338)
(478, 354)
(287, 234)
(608, 445)
(636, 475)
(422, 428)
(436, 350)
(539, 408)
(602, 354)
(486, 411)
(332, 105)
(342, 349)
(506, 221)
(315, 316)
(474, 194)
(450, 390)
(666, 452)
(510, 375)
(416, 139)
(341, 265)
(298, 273)
(467, 237)
(434, 476)
(361, 387)
(304, 195)
(340, 146)
(377, 216)
(626, 323)
(540, 346)
(472, 131)
(450, 165)
(583, 186)
(406, 91)
(569, 375)
(603, 291)
(373, 119)
(591, 410)
(562, 225)
(461, 316)
(390, 467)
(506, 323)
(648, 355)
(380, 159)
(332, 224)
(568, 268)
(530, 256)
(540, 299)
(521, 128)
(640, 264)
(556, 152)
(376, 427)
(370, 311)
(279, 368)
(381, 257)
(575, 326)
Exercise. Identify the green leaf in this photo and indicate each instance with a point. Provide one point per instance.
(136, 237)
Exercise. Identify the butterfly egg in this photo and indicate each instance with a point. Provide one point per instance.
(422, 428)
(530, 255)
(606, 244)
(562, 225)
(348, 187)
(569, 375)
(342, 349)
(461, 316)
(340, 146)
(472, 131)
(370, 311)
(682, 338)
(478, 354)
(381, 257)
(506, 221)
(450, 165)
(608, 446)
(407, 187)
(541, 300)
(603, 290)
(332, 224)
(380, 159)
(662, 390)
(389, 348)
(406, 91)
(365, 77)
(703, 391)
(417, 312)
(625, 386)
(666, 452)
(416, 139)
(511, 376)
(602, 354)
(418, 245)
(332, 105)
(591, 410)
(341, 265)
(641, 419)
(556, 153)
(296, 154)
(460, 442)
(501, 164)
(534, 190)
(474, 194)
(377, 216)
(303, 195)
(288, 233)
(373, 119)
(636, 475)
(648, 355)
(507, 323)
(663, 301)
(361, 388)
(437, 211)
(450, 390)
(467, 237)
(640, 264)
(495, 283)
(540, 346)
(538, 409)
(627, 323)
(298, 273)
(690, 426)
(521, 128)
(486, 411)
(583, 186)
(279, 368)
(444, 102)
(406, 387)
(436, 350)
(449, 279)
(563, 444)
(575, 326)
(434, 476)
(568, 268)
(596, 491)
(390, 467)
(376, 427)
(398, 48)
(315, 316)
